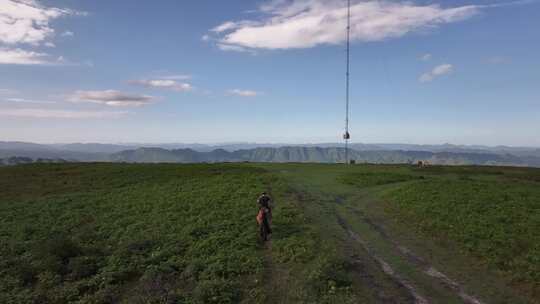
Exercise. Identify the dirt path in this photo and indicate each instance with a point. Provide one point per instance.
(386, 268)
(388, 259)
(269, 277)
(275, 278)
(414, 260)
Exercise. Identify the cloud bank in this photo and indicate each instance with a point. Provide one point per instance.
(112, 98)
(294, 24)
(26, 22)
(24, 100)
(22, 57)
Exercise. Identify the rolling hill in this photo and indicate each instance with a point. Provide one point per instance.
(321, 155)
(446, 154)
(186, 233)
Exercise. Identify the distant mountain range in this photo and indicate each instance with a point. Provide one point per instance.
(322, 155)
(240, 152)
(16, 160)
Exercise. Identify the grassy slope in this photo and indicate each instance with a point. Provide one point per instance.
(343, 274)
(493, 213)
(109, 233)
(104, 233)
(100, 233)
(371, 199)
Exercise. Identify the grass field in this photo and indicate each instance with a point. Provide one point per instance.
(163, 233)
(496, 220)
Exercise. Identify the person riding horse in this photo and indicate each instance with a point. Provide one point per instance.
(264, 217)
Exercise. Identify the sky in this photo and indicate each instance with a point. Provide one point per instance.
(422, 72)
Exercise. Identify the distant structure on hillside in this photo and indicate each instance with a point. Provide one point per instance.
(423, 163)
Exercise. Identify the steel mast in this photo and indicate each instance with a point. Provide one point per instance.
(347, 136)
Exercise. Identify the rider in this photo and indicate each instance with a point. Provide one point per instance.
(264, 201)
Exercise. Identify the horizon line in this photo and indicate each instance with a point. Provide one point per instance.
(215, 144)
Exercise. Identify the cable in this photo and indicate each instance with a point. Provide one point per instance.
(347, 136)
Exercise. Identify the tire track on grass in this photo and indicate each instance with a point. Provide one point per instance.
(386, 268)
(422, 264)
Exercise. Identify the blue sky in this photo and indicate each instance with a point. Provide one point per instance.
(426, 72)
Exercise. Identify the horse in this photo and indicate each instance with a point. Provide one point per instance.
(264, 219)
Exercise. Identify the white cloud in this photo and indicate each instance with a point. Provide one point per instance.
(23, 100)
(22, 57)
(442, 69)
(243, 93)
(65, 114)
(27, 21)
(229, 25)
(112, 98)
(170, 84)
(67, 34)
(426, 57)
(436, 72)
(288, 24)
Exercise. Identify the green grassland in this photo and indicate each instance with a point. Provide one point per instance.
(492, 213)
(109, 233)
(101, 233)
(164, 233)
(497, 220)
